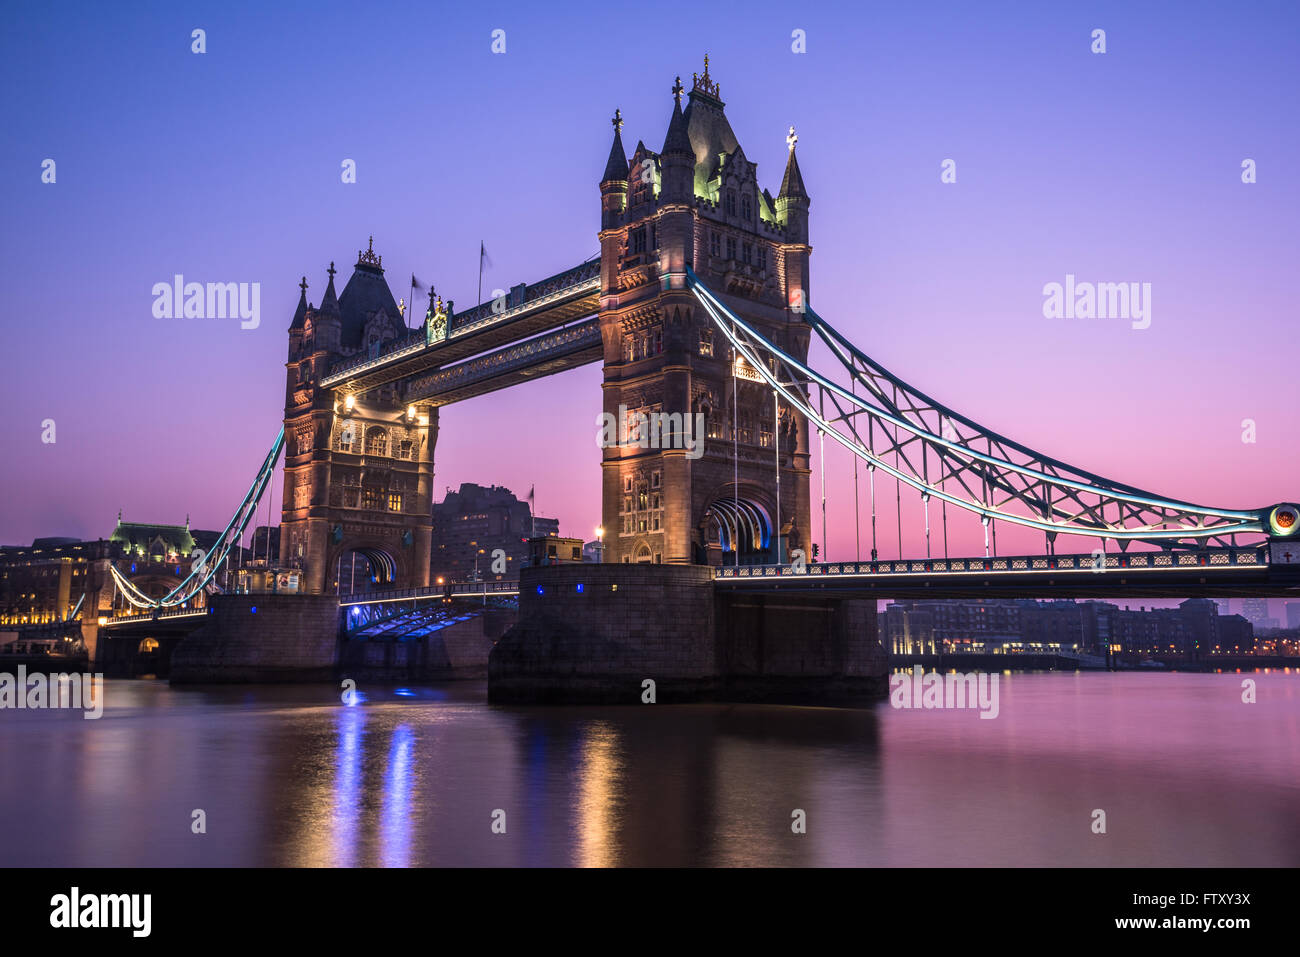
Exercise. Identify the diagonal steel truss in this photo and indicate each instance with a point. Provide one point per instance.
(944, 455)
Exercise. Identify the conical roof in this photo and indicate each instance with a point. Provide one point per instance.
(792, 183)
(616, 167)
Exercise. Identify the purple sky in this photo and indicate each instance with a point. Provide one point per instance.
(1124, 166)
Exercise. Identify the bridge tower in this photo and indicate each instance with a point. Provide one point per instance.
(358, 468)
(697, 203)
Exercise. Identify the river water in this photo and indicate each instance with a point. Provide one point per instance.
(1185, 772)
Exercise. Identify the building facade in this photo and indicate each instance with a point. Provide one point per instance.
(478, 529)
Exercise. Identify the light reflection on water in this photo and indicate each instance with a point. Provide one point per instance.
(1187, 774)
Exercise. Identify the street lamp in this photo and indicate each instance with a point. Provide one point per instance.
(600, 543)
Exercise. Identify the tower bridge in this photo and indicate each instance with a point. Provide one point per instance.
(700, 303)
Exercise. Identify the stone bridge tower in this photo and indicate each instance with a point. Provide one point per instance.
(697, 203)
(358, 469)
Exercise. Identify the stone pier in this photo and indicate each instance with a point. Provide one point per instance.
(596, 633)
(261, 638)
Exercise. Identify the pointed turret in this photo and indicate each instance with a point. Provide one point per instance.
(616, 167)
(613, 183)
(329, 304)
(792, 183)
(301, 313)
(677, 161)
(792, 202)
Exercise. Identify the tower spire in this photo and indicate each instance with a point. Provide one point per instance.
(616, 167)
(300, 314)
(330, 301)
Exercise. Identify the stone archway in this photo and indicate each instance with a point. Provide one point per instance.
(737, 526)
(355, 568)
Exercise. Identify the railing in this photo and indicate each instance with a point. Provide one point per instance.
(145, 615)
(1210, 559)
(458, 590)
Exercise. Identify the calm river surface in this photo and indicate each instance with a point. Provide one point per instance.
(1186, 773)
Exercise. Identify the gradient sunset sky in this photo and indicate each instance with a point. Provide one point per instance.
(225, 167)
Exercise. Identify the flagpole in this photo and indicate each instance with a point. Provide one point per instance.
(480, 273)
(410, 303)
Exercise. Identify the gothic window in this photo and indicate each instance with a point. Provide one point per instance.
(731, 247)
(746, 211)
(349, 498)
(654, 524)
(655, 479)
(405, 452)
(345, 439)
(747, 252)
(715, 244)
(303, 370)
(372, 498)
(638, 240)
(657, 341)
(301, 496)
(762, 256)
(627, 505)
(654, 235)
(731, 202)
(304, 442)
(376, 441)
(627, 483)
(642, 501)
(706, 342)
(394, 501)
(765, 435)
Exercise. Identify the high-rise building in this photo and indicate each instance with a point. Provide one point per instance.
(1293, 614)
(1254, 609)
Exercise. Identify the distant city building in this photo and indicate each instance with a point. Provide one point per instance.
(42, 582)
(1003, 626)
(472, 523)
(1254, 609)
(258, 548)
(554, 550)
(156, 543)
(1293, 614)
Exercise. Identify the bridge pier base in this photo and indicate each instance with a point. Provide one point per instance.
(598, 633)
(261, 638)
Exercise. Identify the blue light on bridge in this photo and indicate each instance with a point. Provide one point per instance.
(404, 693)
(253, 610)
(133, 568)
(541, 590)
(579, 588)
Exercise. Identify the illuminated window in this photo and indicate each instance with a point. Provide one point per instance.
(394, 501)
(706, 342)
(376, 442)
